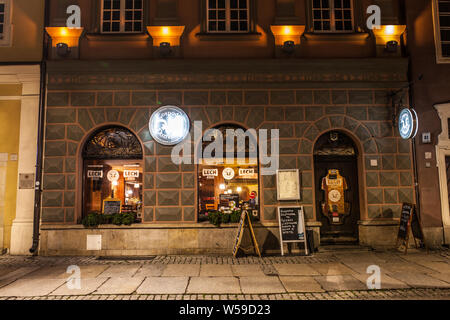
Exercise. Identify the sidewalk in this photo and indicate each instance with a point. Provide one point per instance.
(340, 275)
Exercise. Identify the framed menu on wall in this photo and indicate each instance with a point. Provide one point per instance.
(288, 184)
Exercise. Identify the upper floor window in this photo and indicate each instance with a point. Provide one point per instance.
(332, 15)
(122, 16)
(227, 15)
(5, 22)
(442, 29)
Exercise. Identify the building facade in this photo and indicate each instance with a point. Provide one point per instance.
(21, 25)
(428, 37)
(311, 69)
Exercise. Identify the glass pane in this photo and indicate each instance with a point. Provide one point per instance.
(116, 15)
(348, 15)
(347, 4)
(339, 26)
(234, 14)
(212, 14)
(138, 4)
(243, 4)
(129, 4)
(444, 7)
(325, 4)
(316, 4)
(326, 14)
(348, 25)
(128, 15)
(338, 14)
(326, 25)
(445, 50)
(137, 26)
(444, 21)
(137, 15)
(116, 26)
(222, 14)
(212, 4)
(233, 4)
(445, 35)
(337, 4)
(1, 28)
(212, 26)
(243, 14)
(234, 26)
(243, 26)
(317, 15)
(128, 26)
(2, 18)
(221, 4)
(106, 27)
(106, 4)
(221, 26)
(107, 15)
(317, 25)
(116, 4)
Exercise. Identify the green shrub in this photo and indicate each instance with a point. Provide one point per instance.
(226, 217)
(128, 218)
(215, 218)
(117, 219)
(92, 220)
(235, 216)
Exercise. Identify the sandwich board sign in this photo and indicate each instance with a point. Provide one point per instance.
(292, 226)
(409, 220)
(240, 232)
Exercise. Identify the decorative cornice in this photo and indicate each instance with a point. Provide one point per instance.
(157, 74)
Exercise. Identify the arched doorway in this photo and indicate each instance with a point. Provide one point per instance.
(336, 187)
(112, 170)
(230, 181)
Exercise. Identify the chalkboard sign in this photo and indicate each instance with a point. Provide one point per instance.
(292, 226)
(405, 217)
(112, 206)
(409, 219)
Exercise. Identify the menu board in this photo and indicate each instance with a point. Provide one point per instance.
(112, 206)
(292, 226)
(226, 198)
(405, 217)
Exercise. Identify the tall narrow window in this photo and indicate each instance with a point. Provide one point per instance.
(442, 28)
(122, 16)
(227, 15)
(5, 23)
(332, 15)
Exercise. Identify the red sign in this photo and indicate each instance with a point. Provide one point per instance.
(253, 195)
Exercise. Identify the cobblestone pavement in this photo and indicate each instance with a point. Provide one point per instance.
(327, 275)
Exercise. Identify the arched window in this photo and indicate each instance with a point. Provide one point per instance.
(229, 181)
(112, 172)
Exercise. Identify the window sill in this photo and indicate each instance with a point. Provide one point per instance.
(353, 36)
(117, 37)
(204, 36)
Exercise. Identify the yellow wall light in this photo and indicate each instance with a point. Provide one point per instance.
(389, 33)
(170, 34)
(69, 36)
(287, 33)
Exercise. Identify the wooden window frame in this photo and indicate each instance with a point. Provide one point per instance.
(6, 35)
(332, 19)
(122, 19)
(251, 21)
(437, 34)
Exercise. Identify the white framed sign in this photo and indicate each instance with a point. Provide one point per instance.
(131, 173)
(246, 172)
(95, 173)
(210, 172)
(288, 184)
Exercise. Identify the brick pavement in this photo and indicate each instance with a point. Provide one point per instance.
(339, 275)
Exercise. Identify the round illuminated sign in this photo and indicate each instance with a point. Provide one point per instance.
(113, 175)
(408, 123)
(169, 125)
(228, 173)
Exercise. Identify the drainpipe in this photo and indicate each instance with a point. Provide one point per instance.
(40, 138)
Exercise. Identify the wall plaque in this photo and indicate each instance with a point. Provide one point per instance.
(26, 180)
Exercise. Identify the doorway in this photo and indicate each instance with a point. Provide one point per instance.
(336, 188)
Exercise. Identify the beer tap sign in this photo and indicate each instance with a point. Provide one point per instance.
(334, 206)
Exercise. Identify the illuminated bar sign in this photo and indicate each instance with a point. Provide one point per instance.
(95, 174)
(169, 125)
(131, 173)
(210, 172)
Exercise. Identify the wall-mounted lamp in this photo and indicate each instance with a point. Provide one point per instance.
(65, 41)
(62, 49)
(287, 37)
(388, 38)
(391, 46)
(165, 49)
(166, 37)
(288, 47)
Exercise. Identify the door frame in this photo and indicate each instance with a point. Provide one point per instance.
(360, 169)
